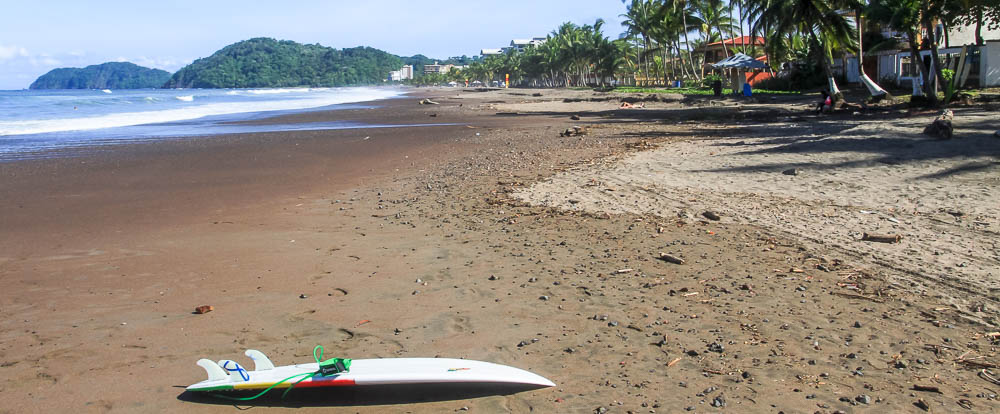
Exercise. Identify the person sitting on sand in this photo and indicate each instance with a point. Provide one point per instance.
(825, 103)
(626, 105)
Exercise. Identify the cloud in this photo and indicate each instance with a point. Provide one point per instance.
(10, 52)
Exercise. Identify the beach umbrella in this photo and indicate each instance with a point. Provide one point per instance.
(740, 60)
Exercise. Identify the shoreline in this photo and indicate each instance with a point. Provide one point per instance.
(419, 243)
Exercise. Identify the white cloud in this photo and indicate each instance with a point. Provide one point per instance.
(10, 52)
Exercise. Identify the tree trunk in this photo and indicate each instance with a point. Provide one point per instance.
(979, 26)
(723, 36)
(935, 74)
(873, 87)
(827, 60)
(918, 63)
(687, 44)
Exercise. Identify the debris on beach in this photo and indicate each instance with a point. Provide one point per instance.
(427, 101)
(574, 131)
(941, 128)
(203, 309)
(881, 238)
(711, 215)
(671, 258)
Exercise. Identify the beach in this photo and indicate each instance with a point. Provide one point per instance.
(499, 237)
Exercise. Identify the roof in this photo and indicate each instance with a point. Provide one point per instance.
(485, 52)
(739, 41)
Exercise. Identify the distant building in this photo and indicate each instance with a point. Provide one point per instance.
(406, 72)
(488, 52)
(521, 44)
(437, 68)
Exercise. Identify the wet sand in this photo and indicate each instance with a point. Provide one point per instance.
(419, 242)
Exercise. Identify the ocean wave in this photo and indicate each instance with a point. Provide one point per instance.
(185, 98)
(179, 112)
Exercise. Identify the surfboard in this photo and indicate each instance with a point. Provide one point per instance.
(228, 375)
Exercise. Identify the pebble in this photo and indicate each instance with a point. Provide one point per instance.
(303, 296)
(857, 324)
(716, 347)
(494, 277)
(719, 401)
(864, 399)
(543, 297)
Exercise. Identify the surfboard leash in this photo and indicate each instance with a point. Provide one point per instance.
(332, 366)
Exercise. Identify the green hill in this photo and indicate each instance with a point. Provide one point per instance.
(111, 75)
(265, 62)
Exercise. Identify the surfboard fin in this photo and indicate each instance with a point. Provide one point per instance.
(260, 361)
(215, 372)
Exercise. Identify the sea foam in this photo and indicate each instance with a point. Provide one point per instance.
(183, 110)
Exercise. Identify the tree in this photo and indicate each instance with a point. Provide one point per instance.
(819, 21)
(904, 16)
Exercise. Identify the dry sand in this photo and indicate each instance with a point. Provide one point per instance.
(499, 240)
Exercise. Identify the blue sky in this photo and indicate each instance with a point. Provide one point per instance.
(38, 36)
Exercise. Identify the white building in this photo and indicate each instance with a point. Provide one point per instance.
(406, 72)
(488, 52)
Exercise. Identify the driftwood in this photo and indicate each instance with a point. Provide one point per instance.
(941, 128)
(881, 238)
(428, 102)
(670, 258)
(711, 216)
(926, 388)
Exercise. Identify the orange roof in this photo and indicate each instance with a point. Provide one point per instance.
(740, 41)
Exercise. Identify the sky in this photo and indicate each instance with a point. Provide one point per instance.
(38, 36)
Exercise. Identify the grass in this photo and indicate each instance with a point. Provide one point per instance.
(699, 91)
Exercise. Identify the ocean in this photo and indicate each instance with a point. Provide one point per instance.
(33, 123)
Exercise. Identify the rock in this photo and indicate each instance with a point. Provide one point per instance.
(575, 117)
(857, 324)
(543, 297)
(997, 134)
(203, 309)
(941, 128)
(864, 399)
(719, 401)
(716, 347)
(921, 404)
(900, 364)
(711, 216)
(303, 296)
(494, 277)
(791, 171)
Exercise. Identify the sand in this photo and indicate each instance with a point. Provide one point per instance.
(499, 240)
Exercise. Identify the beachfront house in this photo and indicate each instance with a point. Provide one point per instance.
(489, 52)
(439, 68)
(893, 66)
(519, 45)
(715, 52)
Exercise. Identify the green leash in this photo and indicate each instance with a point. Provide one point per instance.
(327, 368)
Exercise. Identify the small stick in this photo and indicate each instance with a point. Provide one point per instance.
(881, 238)
(671, 258)
(675, 361)
(927, 388)
(853, 296)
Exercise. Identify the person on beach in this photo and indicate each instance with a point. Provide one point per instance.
(825, 103)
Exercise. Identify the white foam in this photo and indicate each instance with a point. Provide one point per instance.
(313, 99)
(106, 90)
(186, 98)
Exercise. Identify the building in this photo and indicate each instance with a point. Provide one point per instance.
(488, 52)
(715, 52)
(406, 72)
(521, 44)
(981, 68)
(436, 68)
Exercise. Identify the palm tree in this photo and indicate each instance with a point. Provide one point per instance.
(638, 21)
(819, 21)
(904, 16)
(873, 88)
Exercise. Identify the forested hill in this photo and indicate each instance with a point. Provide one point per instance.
(111, 75)
(269, 63)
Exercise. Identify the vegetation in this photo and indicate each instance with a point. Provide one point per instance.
(111, 75)
(265, 62)
(664, 40)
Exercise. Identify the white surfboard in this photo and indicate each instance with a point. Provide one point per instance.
(228, 375)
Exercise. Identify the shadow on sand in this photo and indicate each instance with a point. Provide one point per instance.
(361, 396)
